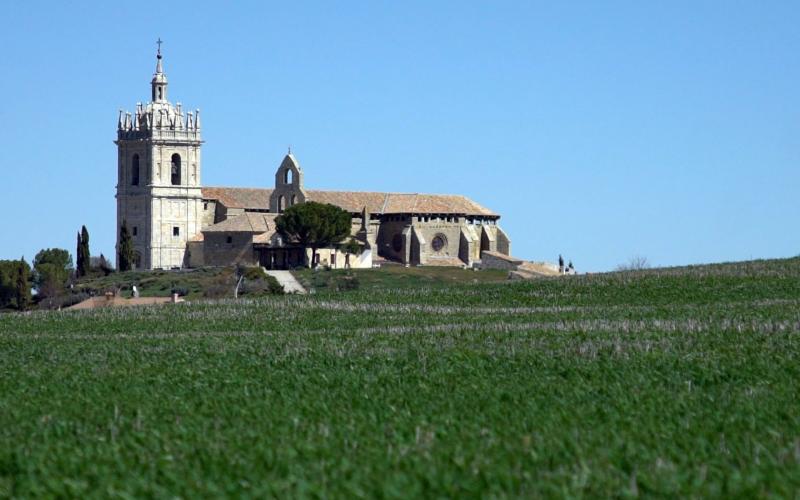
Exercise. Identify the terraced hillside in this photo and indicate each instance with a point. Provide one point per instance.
(666, 382)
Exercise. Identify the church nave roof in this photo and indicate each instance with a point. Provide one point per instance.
(355, 201)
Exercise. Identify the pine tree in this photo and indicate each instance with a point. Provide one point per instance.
(87, 256)
(315, 225)
(125, 259)
(23, 285)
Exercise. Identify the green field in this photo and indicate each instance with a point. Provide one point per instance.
(660, 383)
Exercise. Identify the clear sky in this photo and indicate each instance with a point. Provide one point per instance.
(600, 130)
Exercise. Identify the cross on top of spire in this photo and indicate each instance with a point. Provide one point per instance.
(159, 42)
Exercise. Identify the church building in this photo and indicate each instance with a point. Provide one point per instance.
(176, 222)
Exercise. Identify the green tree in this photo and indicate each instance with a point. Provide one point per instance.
(83, 255)
(105, 266)
(314, 225)
(125, 257)
(8, 270)
(23, 285)
(51, 270)
(79, 269)
(352, 247)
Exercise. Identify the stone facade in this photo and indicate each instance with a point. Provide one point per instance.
(159, 178)
(176, 222)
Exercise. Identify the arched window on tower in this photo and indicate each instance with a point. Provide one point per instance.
(287, 176)
(294, 200)
(135, 170)
(281, 203)
(176, 169)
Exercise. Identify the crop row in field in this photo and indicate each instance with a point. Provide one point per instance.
(660, 383)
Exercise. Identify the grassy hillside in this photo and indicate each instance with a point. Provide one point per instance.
(393, 277)
(665, 382)
(196, 282)
(157, 283)
(208, 282)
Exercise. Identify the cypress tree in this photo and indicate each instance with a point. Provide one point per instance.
(23, 285)
(80, 271)
(105, 266)
(82, 253)
(87, 256)
(125, 259)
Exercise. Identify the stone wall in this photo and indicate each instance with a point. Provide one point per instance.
(336, 259)
(227, 249)
(392, 243)
(470, 245)
(165, 216)
(194, 254)
(209, 214)
(494, 260)
(488, 239)
(176, 215)
(503, 241)
(442, 236)
(425, 239)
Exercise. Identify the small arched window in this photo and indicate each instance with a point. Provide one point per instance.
(176, 169)
(287, 176)
(294, 200)
(281, 203)
(135, 170)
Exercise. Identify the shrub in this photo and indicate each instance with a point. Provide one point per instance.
(252, 273)
(72, 299)
(217, 291)
(267, 285)
(348, 282)
(274, 287)
(635, 263)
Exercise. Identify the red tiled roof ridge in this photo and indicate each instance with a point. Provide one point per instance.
(355, 201)
(389, 193)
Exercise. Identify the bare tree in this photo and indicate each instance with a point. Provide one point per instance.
(635, 263)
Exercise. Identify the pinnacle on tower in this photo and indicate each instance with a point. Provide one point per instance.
(159, 68)
(159, 82)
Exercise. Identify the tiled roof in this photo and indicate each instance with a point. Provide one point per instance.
(239, 197)
(248, 222)
(433, 204)
(355, 201)
(352, 201)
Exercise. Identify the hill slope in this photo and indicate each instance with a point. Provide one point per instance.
(665, 382)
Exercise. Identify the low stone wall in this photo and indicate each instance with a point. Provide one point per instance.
(518, 268)
(496, 260)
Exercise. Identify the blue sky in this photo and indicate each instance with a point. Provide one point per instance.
(599, 130)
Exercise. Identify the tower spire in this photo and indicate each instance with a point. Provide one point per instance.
(159, 82)
(159, 68)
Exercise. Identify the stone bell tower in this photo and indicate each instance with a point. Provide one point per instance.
(288, 185)
(158, 177)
